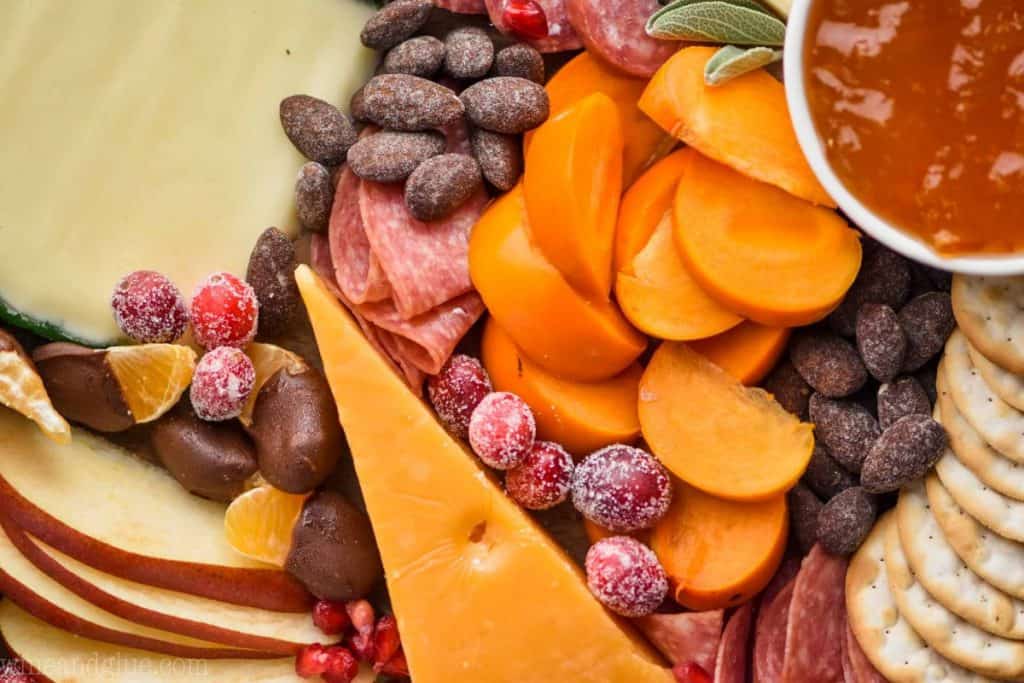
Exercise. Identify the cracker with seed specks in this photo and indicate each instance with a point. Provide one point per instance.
(1003, 515)
(990, 311)
(1005, 384)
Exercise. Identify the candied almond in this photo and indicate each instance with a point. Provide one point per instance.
(409, 103)
(441, 184)
(505, 104)
(317, 129)
(395, 22)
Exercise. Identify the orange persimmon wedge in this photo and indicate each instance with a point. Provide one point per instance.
(763, 253)
(572, 183)
(719, 553)
(585, 74)
(644, 205)
(743, 123)
(715, 434)
(553, 325)
(747, 352)
(595, 532)
(582, 416)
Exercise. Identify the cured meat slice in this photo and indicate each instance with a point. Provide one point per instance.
(614, 31)
(817, 621)
(357, 271)
(731, 663)
(686, 636)
(770, 635)
(462, 6)
(561, 36)
(427, 264)
(857, 668)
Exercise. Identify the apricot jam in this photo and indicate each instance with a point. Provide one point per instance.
(920, 106)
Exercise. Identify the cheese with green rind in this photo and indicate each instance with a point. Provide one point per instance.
(145, 135)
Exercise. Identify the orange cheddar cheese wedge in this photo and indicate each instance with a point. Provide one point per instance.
(480, 592)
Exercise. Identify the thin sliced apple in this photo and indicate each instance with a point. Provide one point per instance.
(279, 633)
(53, 653)
(98, 504)
(35, 592)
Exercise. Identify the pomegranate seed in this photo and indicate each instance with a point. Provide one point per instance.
(386, 641)
(526, 19)
(396, 666)
(625, 576)
(331, 617)
(502, 430)
(621, 488)
(149, 308)
(691, 672)
(221, 384)
(311, 661)
(225, 312)
(543, 479)
(457, 390)
(342, 666)
(362, 645)
(360, 612)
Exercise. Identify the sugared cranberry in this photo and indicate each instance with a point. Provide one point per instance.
(311, 661)
(386, 641)
(342, 666)
(396, 666)
(457, 390)
(625, 576)
(543, 479)
(502, 430)
(526, 19)
(221, 384)
(149, 308)
(331, 617)
(225, 312)
(691, 672)
(621, 488)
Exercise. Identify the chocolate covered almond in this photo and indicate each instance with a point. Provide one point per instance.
(82, 386)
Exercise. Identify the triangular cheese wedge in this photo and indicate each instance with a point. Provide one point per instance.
(480, 592)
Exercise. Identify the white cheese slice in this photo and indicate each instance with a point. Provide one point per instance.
(145, 134)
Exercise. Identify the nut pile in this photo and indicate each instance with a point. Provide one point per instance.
(425, 86)
(866, 380)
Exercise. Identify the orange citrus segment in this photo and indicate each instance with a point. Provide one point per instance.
(259, 523)
(22, 390)
(152, 376)
(267, 359)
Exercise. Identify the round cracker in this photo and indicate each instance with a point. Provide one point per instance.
(990, 311)
(1003, 515)
(948, 634)
(1005, 384)
(945, 576)
(988, 464)
(884, 635)
(999, 423)
(995, 559)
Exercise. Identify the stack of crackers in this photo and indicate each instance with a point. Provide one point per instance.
(936, 593)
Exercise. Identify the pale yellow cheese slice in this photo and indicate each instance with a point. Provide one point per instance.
(145, 134)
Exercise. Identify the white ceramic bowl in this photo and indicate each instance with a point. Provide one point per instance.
(867, 220)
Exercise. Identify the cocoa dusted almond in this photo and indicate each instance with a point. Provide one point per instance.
(82, 386)
(271, 275)
(500, 157)
(212, 460)
(395, 22)
(469, 52)
(317, 129)
(409, 103)
(390, 156)
(421, 56)
(441, 184)
(333, 552)
(520, 60)
(506, 104)
(314, 196)
(296, 431)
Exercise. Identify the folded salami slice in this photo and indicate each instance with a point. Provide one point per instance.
(731, 662)
(614, 31)
(561, 36)
(857, 668)
(462, 6)
(770, 634)
(358, 272)
(817, 621)
(686, 636)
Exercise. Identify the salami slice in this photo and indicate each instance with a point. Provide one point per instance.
(817, 622)
(614, 31)
(861, 670)
(462, 6)
(770, 635)
(685, 637)
(561, 36)
(731, 663)
(358, 272)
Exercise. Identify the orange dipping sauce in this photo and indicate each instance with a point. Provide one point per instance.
(920, 106)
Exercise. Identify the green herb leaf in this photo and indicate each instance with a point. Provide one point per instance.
(731, 61)
(673, 4)
(717, 21)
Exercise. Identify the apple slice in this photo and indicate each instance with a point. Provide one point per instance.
(35, 592)
(98, 504)
(280, 633)
(54, 654)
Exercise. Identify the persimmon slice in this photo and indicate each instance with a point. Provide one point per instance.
(761, 252)
(747, 352)
(644, 205)
(743, 123)
(572, 183)
(715, 434)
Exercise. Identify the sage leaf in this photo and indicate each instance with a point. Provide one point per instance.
(672, 4)
(731, 61)
(717, 21)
